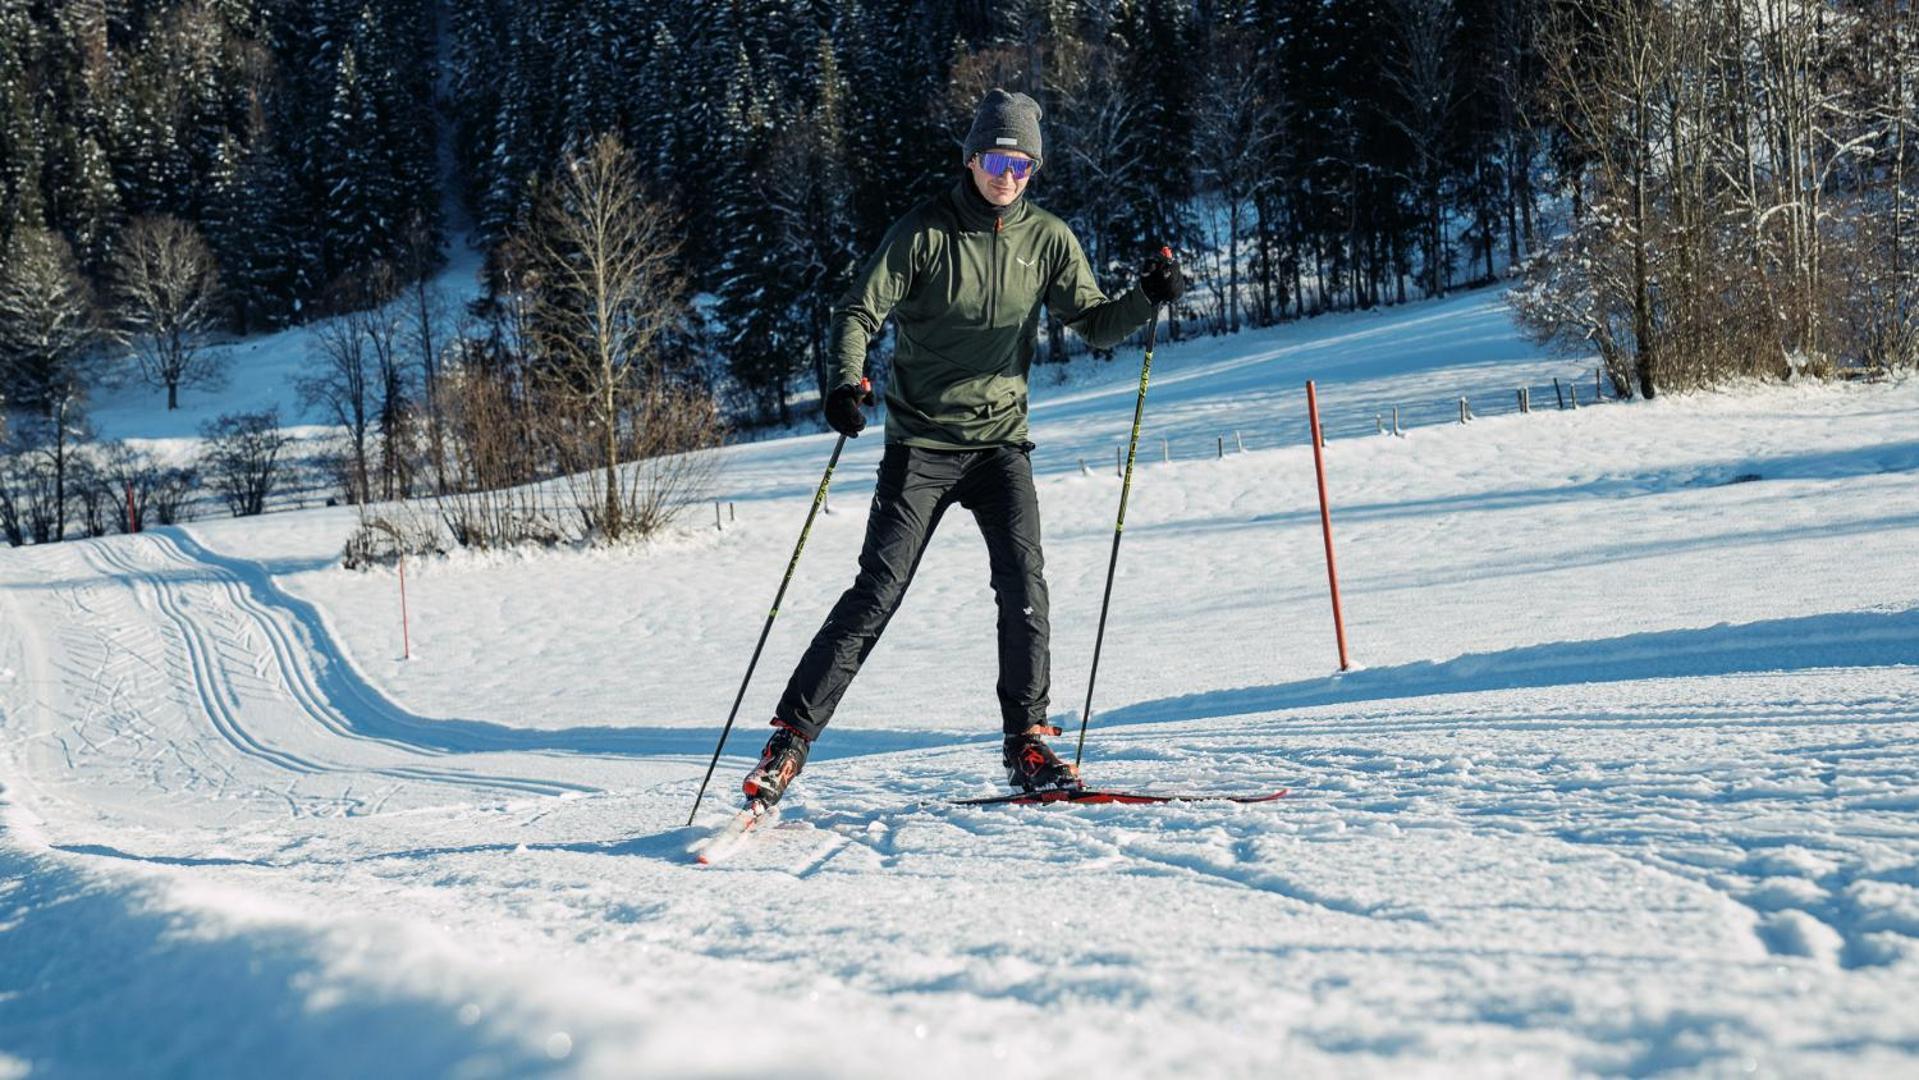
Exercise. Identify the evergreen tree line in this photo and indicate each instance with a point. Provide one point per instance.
(1693, 186)
(1302, 156)
(296, 142)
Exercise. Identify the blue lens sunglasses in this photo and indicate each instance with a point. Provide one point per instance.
(997, 164)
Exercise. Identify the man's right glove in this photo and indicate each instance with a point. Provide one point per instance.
(843, 410)
(1160, 279)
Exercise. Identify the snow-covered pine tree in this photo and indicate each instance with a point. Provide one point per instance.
(47, 319)
(808, 188)
(754, 286)
(21, 138)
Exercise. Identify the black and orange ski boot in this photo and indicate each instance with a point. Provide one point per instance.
(1031, 765)
(780, 762)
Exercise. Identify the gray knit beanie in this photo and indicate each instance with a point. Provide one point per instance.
(1005, 122)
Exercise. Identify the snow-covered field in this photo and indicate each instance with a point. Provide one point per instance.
(1627, 782)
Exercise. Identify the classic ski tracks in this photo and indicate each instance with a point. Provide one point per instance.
(158, 589)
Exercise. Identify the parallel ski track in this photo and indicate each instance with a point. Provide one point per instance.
(160, 590)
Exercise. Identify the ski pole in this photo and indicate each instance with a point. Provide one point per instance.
(819, 499)
(1119, 527)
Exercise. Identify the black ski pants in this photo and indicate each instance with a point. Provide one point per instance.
(916, 485)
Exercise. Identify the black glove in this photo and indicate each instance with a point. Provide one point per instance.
(843, 410)
(1160, 279)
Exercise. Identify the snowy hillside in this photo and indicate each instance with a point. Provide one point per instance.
(1628, 782)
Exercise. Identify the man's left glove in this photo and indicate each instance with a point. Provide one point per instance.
(1160, 278)
(843, 410)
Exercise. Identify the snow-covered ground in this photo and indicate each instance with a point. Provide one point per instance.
(1627, 782)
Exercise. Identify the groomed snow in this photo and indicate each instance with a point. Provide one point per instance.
(1627, 780)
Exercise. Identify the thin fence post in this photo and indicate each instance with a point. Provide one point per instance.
(1119, 461)
(1241, 443)
(1165, 448)
(1396, 428)
(1522, 400)
(1222, 448)
(1465, 413)
(1083, 470)
(730, 515)
(718, 525)
(1379, 424)
(1558, 393)
(1572, 393)
(1599, 389)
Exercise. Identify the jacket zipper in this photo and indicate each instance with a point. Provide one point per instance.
(992, 281)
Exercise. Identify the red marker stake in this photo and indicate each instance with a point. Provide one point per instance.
(1326, 523)
(406, 636)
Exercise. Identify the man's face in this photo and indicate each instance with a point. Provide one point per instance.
(999, 190)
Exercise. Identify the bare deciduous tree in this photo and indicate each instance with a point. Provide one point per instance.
(601, 274)
(363, 383)
(166, 285)
(242, 458)
(41, 471)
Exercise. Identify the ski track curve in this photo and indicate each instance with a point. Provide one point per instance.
(230, 624)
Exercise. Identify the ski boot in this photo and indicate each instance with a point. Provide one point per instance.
(781, 760)
(1031, 765)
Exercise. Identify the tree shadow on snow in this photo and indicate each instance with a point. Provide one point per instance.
(1848, 639)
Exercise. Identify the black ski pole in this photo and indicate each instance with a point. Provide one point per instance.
(1125, 489)
(819, 499)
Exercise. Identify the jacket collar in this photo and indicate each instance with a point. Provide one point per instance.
(976, 214)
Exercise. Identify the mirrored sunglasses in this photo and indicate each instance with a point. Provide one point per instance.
(997, 164)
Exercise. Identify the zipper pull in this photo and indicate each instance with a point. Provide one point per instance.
(998, 223)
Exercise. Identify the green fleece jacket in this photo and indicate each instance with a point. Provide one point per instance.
(965, 281)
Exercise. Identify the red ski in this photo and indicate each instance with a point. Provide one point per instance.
(1128, 798)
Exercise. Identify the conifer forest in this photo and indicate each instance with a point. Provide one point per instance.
(1694, 190)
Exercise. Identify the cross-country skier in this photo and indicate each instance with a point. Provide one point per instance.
(964, 274)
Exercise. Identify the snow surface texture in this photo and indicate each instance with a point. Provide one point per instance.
(1628, 782)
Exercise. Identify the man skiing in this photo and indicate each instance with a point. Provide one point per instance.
(964, 274)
